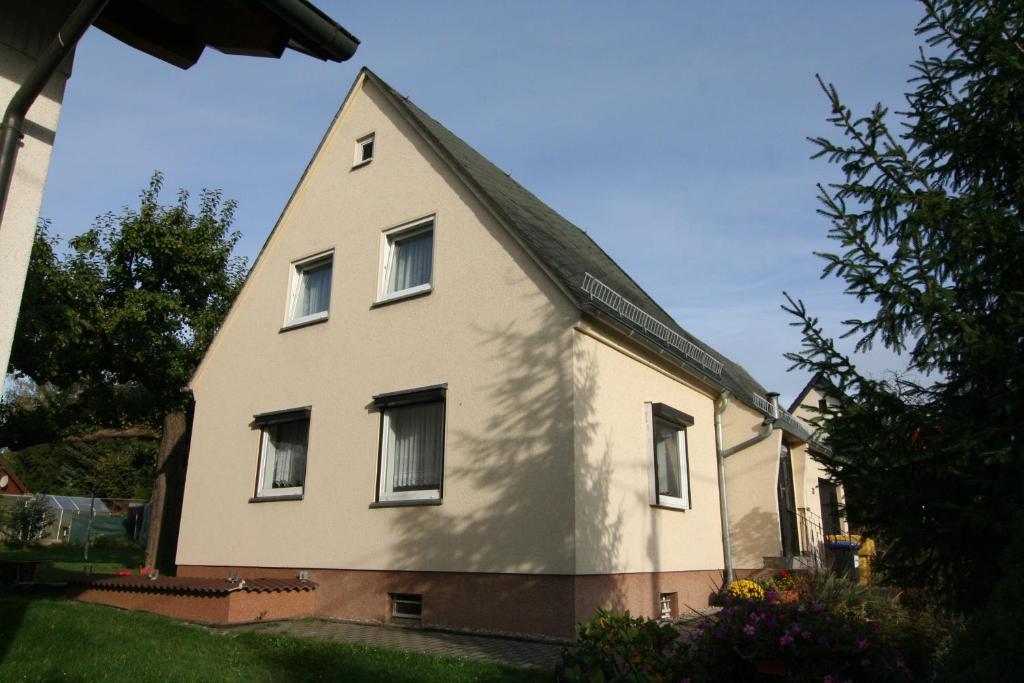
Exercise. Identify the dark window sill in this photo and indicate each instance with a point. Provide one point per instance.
(404, 503)
(294, 326)
(397, 299)
(271, 499)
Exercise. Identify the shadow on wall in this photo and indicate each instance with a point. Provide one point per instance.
(754, 537)
(516, 474)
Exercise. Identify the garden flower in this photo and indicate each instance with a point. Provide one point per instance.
(749, 630)
(865, 662)
(806, 635)
(818, 606)
(863, 644)
(786, 639)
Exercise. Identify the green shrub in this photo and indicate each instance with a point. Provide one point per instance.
(112, 543)
(26, 523)
(618, 647)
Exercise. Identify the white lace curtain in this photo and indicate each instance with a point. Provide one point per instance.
(415, 442)
(314, 291)
(411, 261)
(286, 455)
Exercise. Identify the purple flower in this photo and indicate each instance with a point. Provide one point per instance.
(829, 678)
(865, 662)
(771, 595)
(795, 627)
(749, 629)
(818, 606)
(786, 639)
(863, 644)
(806, 635)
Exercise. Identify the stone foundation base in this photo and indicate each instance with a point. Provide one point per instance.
(532, 604)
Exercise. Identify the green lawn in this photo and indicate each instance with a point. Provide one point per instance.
(49, 639)
(65, 561)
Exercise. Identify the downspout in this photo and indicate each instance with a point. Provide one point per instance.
(11, 132)
(723, 453)
(723, 499)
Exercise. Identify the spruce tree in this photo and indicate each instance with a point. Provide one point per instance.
(927, 223)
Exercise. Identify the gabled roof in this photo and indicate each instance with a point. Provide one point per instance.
(563, 250)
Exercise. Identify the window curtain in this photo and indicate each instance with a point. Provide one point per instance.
(666, 449)
(315, 291)
(286, 455)
(415, 444)
(411, 261)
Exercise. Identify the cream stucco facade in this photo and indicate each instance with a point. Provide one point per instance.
(493, 329)
(23, 35)
(547, 500)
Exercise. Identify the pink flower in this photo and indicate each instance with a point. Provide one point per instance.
(786, 639)
(749, 629)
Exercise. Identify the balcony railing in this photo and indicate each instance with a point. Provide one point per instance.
(635, 315)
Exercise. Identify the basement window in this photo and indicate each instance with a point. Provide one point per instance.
(406, 608)
(667, 604)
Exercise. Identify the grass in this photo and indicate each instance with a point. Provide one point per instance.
(49, 639)
(65, 561)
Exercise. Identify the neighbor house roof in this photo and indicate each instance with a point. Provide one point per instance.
(178, 31)
(566, 252)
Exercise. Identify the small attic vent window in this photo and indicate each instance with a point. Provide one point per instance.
(406, 608)
(364, 150)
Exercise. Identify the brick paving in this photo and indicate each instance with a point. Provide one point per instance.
(519, 653)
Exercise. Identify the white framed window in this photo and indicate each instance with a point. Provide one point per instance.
(670, 469)
(309, 298)
(284, 437)
(407, 260)
(411, 458)
(364, 150)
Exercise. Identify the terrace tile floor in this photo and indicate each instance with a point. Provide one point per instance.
(509, 651)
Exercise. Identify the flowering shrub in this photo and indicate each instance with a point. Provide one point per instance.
(745, 590)
(616, 647)
(804, 641)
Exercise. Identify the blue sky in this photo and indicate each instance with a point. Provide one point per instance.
(673, 132)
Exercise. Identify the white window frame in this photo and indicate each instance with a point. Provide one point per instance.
(384, 464)
(264, 426)
(299, 269)
(656, 498)
(388, 240)
(359, 158)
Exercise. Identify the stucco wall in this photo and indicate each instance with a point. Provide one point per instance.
(752, 477)
(617, 530)
(23, 32)
(493, 329)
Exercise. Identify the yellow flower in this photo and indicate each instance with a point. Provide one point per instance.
(745, 590)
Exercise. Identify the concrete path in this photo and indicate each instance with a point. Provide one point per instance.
(491, 649)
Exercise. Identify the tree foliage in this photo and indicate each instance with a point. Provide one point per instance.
(928, 223)
(111, 328)
(119, 322)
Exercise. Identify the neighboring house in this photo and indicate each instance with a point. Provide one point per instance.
(820, 499)
(10, 484)
(449, 405)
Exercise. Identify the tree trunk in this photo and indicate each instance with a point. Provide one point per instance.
(168, 491)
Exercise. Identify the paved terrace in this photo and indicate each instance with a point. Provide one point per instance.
(443, 644)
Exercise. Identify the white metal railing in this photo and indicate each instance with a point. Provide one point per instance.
(763, 404)
(631, 312)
